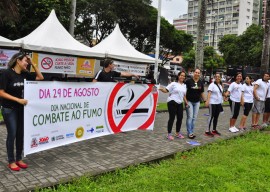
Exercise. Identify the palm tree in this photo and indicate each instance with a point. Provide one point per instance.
(266, 39)
(9, 10)
(201, 32)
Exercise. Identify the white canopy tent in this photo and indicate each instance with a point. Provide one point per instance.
(116, 46)
(4, 42)
(52, 37)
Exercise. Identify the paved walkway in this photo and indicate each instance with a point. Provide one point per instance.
(102, 154)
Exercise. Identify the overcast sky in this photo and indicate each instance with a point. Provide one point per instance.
(171, 9)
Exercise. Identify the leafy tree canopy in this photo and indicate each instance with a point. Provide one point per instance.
(96, 19)
(32, 14)
(245, 49)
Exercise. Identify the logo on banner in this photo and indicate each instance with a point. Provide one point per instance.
(43, 140)
(34, 142)
(100, 129)
(125, 103)
(46, 63)
(79, 132)
(90, 130)
(86, 64)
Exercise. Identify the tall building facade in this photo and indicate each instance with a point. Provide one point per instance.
(223, 17)
(181, 22)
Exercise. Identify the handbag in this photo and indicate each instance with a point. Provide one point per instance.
(221, 108)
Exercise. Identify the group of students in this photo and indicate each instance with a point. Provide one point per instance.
(252, 96)
(189, 91)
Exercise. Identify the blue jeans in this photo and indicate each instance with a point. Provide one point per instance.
(14, 123)
(192, 113)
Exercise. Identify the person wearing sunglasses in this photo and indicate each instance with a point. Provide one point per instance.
(11, 90)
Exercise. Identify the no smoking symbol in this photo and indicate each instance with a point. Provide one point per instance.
(46, 63)
(143, 125)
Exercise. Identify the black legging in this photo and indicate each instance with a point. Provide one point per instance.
(214, 110)
(175, 109)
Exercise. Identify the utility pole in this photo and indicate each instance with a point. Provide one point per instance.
(200, 34)
(266, 40)
(72, 17)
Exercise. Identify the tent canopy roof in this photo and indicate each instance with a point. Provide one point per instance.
(52, 37)
(4, 42)
(116, 46)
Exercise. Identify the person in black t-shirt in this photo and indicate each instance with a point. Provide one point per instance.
(195, 89)
(11, 90)
(107, 74)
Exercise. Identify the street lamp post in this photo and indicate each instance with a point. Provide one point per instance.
(157, 42)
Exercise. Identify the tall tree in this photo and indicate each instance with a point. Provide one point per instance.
(245, 50)
(9, 11)
(32, 14)
(137, 20)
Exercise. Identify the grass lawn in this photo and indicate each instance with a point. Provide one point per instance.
(239, 164)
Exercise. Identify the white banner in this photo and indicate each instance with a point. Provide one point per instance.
(5, 56)
(57, 64)
(59, 113)
(138, 69)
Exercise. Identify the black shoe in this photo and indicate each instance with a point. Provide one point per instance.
(191, 136)
(209, 134)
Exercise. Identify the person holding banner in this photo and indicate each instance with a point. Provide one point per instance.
(107, 74)
(11, 90)
(175, 101)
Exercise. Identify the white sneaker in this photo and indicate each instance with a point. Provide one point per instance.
(264, 125)
(231, 129)
(236, 129)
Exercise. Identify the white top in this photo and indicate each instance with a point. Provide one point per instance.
(216, 95)
(248, 93)
(177, 92)
(262, 89)
(235, 90)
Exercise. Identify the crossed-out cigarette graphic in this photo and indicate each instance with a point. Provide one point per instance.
(120, 99)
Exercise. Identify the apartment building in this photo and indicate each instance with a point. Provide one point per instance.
(223, 17)
(180, 23)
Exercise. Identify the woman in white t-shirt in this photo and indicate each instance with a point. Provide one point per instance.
(177, 95)
(214, 101)
(247, 92)
(236, 100)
